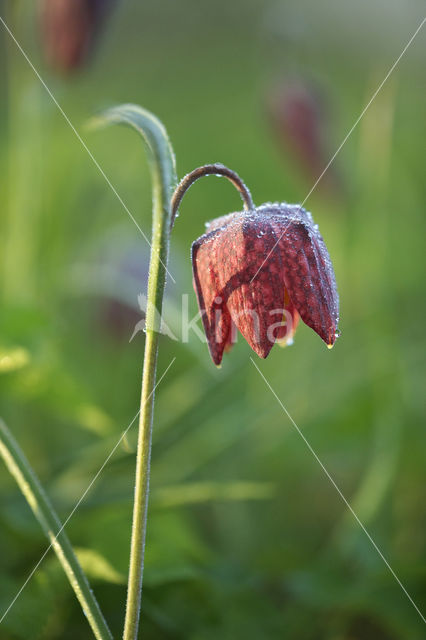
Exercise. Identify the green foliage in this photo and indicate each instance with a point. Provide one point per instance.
(246, 537)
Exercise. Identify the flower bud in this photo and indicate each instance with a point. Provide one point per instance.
(68, 30)
(261, 270)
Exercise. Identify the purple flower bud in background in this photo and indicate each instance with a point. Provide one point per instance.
(298, 115)
(69, 29)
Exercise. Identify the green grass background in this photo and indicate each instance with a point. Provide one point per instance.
(247, 538)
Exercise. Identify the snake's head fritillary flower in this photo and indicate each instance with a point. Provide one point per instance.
(260, 270)
(69, 29)
(299, 113)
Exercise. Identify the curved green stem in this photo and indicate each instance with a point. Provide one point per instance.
(30, 486)
(216, 169)
(163, 175)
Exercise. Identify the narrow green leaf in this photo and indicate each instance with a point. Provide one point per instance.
(152, 130)
(34, 494)
(98, 567)
(201, 492)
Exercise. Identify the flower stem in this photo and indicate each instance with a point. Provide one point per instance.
(156, 282)
(215, 169)
(163, 175)
(32, 490)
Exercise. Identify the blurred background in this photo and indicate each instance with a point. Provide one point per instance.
(247, 537)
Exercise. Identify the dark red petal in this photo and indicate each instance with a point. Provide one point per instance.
(220, 223)
(215, 315)
(284, 335)
(256, 306)
(308, 273)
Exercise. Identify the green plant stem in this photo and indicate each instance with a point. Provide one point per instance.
(162, 165)
(156, 282)
(216, 169)
(30, 486)
(20, 224)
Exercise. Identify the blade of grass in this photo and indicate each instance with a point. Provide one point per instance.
(29, 484)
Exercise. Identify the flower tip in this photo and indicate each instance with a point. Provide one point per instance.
(285, 342)
(336, 335)
(262, 349)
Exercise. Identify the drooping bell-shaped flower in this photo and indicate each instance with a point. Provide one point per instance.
(69, 29)
(260, 270)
